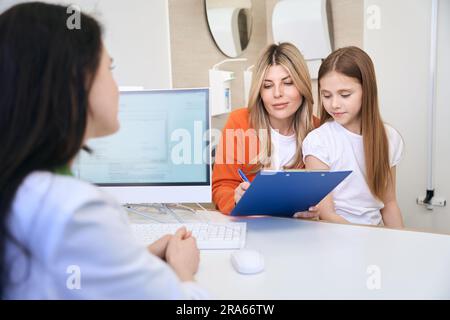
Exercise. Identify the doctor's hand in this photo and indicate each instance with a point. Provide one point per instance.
(240, 190)
(183, 255)
(312, 213)
(159, 247)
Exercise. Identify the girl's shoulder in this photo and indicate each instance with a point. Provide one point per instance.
(323, 137)
(396, 145)
(326, 129)
(391, 131)
(394, 137)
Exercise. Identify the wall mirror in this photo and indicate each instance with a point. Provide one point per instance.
(230, 24)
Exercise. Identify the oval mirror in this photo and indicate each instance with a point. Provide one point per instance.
(230, 24)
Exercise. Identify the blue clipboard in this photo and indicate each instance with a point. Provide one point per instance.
(283, 193)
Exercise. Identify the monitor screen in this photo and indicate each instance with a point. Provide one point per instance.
(163, 141)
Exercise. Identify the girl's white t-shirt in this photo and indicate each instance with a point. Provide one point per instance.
(342, 149)
(283, 149)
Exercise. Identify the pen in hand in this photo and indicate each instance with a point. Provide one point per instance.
(243, 177)
(240, 190)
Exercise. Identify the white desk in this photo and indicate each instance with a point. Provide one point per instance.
(317, 260)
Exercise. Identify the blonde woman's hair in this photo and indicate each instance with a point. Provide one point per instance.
(355, 63)
(286, 55)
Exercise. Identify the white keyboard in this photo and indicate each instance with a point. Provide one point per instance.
(229, 235)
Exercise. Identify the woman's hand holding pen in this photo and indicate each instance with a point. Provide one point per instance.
(240, 190)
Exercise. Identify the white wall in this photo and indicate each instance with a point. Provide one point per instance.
(401, 50)
(136, 35)
(442, 221)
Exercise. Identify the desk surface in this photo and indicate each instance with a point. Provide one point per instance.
(317, 260)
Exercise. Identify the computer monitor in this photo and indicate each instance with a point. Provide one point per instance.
(161, 154)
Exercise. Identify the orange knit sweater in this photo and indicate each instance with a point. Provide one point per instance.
(231, 156)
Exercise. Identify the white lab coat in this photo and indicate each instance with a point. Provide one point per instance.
(81, 247)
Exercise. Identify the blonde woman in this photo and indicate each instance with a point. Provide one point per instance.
(269, 133)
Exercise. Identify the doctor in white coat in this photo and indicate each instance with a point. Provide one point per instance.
(62, 238)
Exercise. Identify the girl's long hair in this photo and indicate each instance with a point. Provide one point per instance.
(288, 56)
(355, 63)
(46, 71)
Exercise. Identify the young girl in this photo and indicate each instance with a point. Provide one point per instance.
(57, 91)
(353, 137)
(270, 132)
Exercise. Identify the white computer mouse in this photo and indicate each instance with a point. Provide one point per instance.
(247, 261)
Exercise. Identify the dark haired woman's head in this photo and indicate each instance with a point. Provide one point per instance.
(56, 90)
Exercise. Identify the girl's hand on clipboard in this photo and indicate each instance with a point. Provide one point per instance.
(312, 213)
(240, 190)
